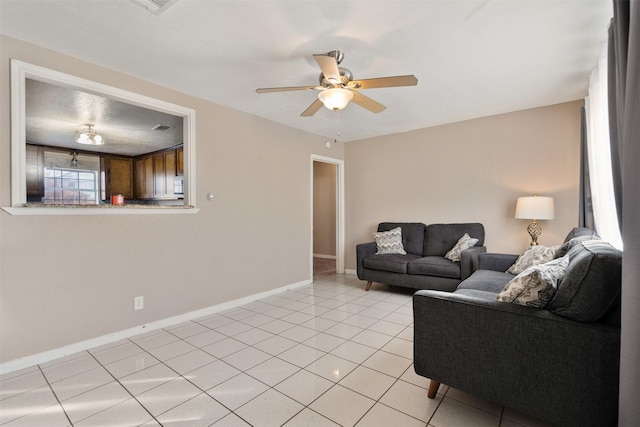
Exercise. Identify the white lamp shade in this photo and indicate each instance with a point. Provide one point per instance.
(335, 98)
(535, 207)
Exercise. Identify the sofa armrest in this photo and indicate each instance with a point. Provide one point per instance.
(496, 262)
(469, 260)
(525, 358)
(363, 250)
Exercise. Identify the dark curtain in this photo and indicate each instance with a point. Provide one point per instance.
(625, 98)
(586, 208)
(615, 121)
(617, 81)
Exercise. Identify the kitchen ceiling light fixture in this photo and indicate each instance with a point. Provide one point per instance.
(335, 98)
(88, 136)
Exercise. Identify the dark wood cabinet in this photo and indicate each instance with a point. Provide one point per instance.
(180, 161)
(143, 177)
(170, 172)
(164, 173)
(35, 171)
(155, 175)
(159, 181)
(119, 176)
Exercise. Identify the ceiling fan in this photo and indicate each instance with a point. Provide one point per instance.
(337, 86)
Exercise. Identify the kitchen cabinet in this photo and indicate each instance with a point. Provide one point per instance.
(143, 177)
(155, 175)
(180, 161)
(119, 176)
(170, 158)
(164, 173)
(159, 181)
(35, 171)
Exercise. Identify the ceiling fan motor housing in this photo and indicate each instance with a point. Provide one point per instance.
(337, 54)
(345, 77)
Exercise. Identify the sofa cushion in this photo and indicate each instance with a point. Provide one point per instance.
(476, 293)
(465, 242)
(533, 255)
(389, 242)
(440, 238)
(591, 284)
(574, 241)
(389, 262)
(535, 286)
(580, 232)
(434, 266)
(486, 280)
(412, 235)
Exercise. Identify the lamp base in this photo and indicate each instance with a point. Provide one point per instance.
(535, 230)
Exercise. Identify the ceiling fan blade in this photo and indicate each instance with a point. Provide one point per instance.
(283, 89)
(368, 103)
(393, 81)
(329, 67)
(313, 108)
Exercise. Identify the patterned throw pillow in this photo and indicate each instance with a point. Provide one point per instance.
(465, 242)
(390, 242)
(535, 286)
(533, 255)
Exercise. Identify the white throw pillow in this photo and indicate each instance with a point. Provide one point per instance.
(465, 242)
(390, 242)
(535, 286)
(533, 255)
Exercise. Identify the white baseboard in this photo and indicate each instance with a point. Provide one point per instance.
(324, 256)
(350, 271)
(46, 356)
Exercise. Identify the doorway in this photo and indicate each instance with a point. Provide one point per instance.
(327, 216)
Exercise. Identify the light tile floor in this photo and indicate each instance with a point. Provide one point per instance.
(324, 355)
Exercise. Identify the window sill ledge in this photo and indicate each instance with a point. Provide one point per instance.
(38, 209)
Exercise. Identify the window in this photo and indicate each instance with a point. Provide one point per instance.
(70, 186)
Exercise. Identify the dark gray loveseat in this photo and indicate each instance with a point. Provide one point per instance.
(424, 266)
(560, 363)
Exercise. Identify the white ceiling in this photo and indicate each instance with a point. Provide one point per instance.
(471, 58)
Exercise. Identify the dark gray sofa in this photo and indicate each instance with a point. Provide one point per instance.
(424, 266)
(560, 363)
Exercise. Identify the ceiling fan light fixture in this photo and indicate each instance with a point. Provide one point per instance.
(88, 136)
(335, 98)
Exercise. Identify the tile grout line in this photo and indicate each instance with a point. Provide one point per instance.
(54, 395)
(179, 376)
(125, 388)
(269, 387)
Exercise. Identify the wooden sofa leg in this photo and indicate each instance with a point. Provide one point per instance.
(368, 286)
(433, 389)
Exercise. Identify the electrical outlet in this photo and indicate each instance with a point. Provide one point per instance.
(138, 303)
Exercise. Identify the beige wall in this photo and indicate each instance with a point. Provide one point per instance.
(260, 174)
(324, 208)
(64, 279)
(471, 171)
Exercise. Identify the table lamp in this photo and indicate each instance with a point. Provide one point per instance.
(535, 208)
